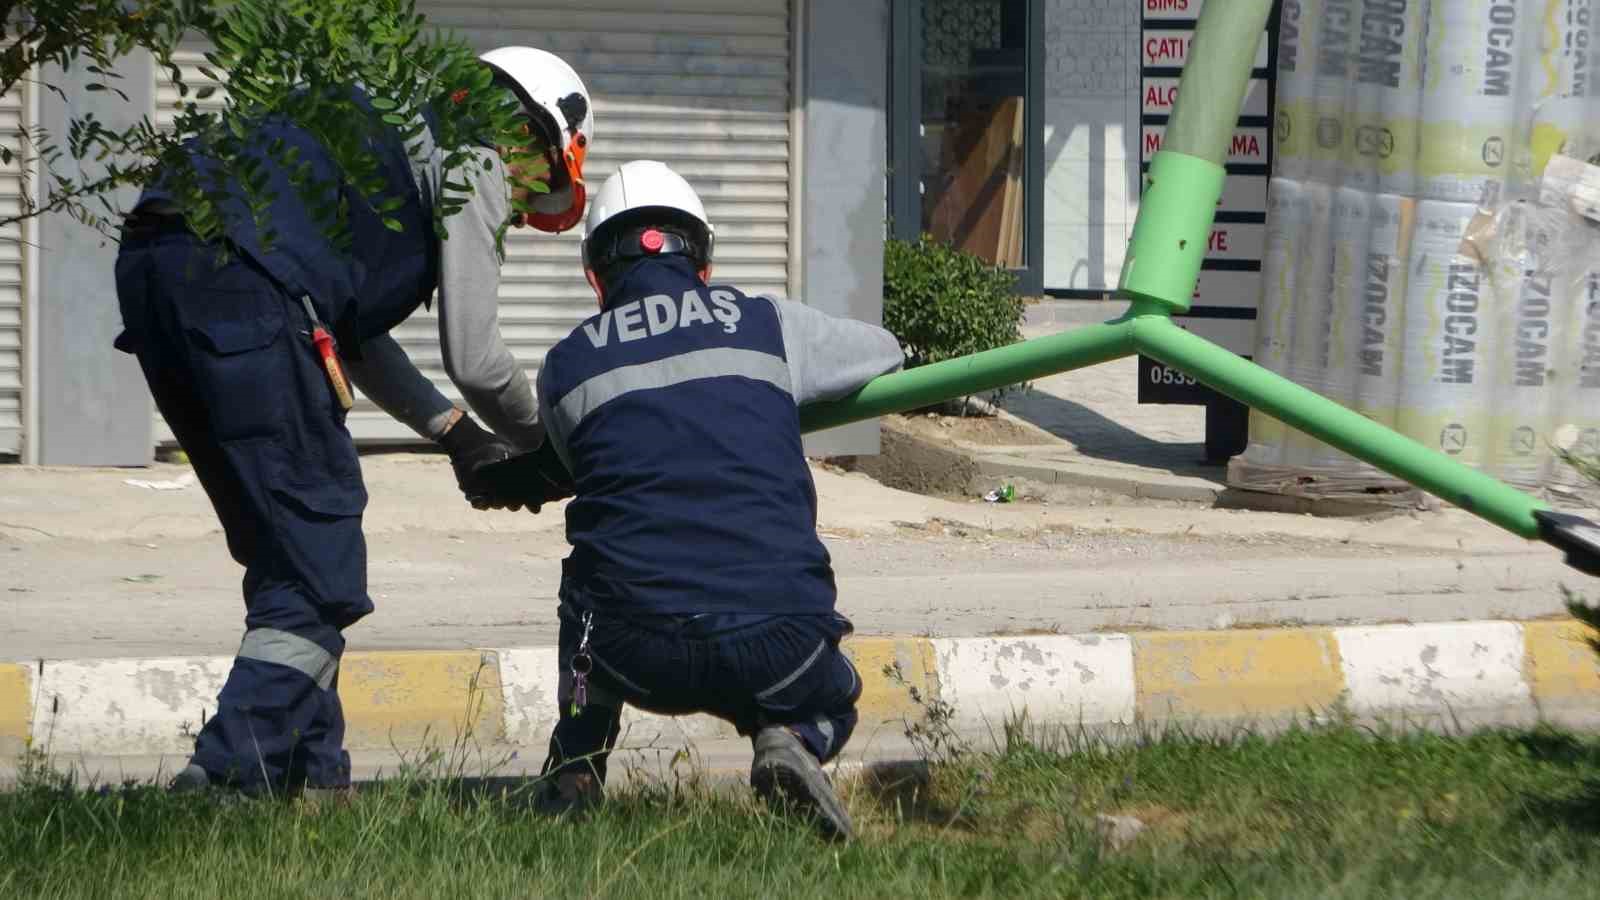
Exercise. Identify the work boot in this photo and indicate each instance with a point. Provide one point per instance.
(319, 799)
(191, 780)
(569, 792)
(788, 777)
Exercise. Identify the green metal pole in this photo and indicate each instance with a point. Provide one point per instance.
(926, 385)
(1434, 472)
(1179, 203)
(1221, 60)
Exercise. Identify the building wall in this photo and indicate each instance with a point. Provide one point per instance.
(1091, 153)
(844, 159)
(15, 239)
(93, 406)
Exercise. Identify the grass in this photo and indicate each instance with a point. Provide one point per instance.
(1335, 811)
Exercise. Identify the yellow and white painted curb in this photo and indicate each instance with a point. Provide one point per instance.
(506, 697)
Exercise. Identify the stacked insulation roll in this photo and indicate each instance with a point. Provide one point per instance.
(1575, 407)
(1408, 273)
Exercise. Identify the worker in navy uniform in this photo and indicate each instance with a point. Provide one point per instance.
(696, 581)
(228, 335)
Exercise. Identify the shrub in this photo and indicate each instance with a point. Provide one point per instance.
(943, 303)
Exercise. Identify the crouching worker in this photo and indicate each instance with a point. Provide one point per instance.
(697, 583)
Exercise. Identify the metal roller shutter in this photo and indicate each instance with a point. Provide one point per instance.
(12, 237)
(702, 85)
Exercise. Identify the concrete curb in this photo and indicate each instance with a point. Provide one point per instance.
(506, 697)
(1115, 478)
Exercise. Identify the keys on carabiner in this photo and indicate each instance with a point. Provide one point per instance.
(582, 664)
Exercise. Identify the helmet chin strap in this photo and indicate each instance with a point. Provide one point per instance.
(555, 223)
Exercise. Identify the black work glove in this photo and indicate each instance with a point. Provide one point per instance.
(531, 479)
(472, 448)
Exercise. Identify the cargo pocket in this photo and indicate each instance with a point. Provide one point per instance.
(243, 371)
(131, 299)
(320, 546)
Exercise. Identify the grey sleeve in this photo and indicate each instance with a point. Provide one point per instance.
(831, 356)
(386, 375)
(475, 356)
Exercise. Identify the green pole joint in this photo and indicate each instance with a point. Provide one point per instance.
(1173, 230)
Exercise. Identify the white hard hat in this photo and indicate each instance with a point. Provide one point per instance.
(558, 103)
(646, 194)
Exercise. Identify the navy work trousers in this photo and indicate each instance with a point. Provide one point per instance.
(752, 671)
(229, 361)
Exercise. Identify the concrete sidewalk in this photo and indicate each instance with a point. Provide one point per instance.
(1106, 439)
(97, 567)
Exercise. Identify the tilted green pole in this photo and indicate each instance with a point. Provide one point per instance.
(926, 385)
(1351, 432)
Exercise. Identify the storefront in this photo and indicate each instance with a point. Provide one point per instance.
(1014, 128)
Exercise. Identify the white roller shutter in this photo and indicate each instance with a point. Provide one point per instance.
(702, 85)
(12, 110)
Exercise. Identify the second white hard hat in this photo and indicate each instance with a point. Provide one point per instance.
(645, 193)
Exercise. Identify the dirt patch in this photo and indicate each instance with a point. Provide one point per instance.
(910, 462)
(923, 452)
(987, 431)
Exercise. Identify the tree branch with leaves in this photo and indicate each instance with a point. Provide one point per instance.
(295, 61)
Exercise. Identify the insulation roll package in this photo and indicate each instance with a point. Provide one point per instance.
(1313, 295)
(1444, 375)
(1383, 294)
(1574, 425)
(1476, 56)
(1350, 233)
(1333, 89)
(1522, 379)
(1275, 314)
(1294, 130)
(1560, 88)
(1386, 109)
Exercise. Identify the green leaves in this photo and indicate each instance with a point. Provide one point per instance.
(291, 59)
(942, 303)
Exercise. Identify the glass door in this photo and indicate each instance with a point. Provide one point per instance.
(966, 127)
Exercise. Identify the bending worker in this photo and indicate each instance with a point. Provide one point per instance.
(227, 342)
(696, 582)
